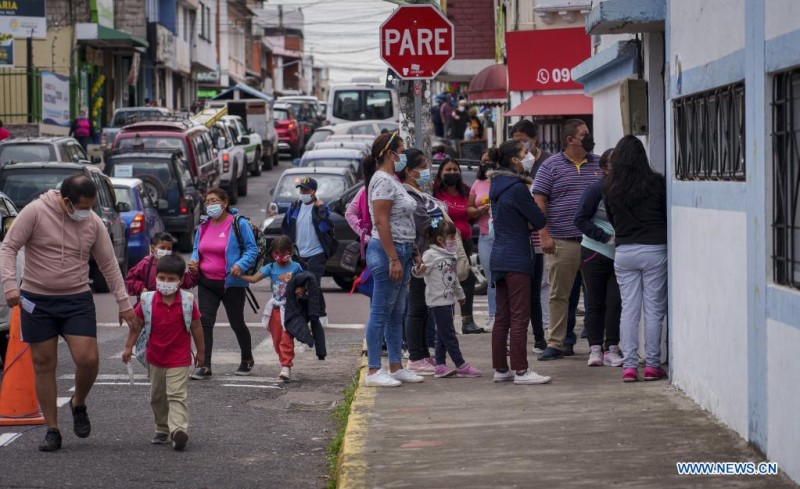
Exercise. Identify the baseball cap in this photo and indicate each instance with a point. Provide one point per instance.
(307, 183)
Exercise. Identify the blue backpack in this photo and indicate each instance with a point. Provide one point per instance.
(364, 283)
(187, 305)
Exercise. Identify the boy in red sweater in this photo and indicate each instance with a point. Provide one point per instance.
(142, 277)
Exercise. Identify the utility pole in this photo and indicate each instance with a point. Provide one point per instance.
(29, 63)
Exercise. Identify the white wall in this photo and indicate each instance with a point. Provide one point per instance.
(708, 278)
(780, 17)
(784, 397)
(703, 31)
(607, 128)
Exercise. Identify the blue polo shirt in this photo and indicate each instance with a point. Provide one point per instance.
(563, 182)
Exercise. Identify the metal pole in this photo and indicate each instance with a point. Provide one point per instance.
(418, 114)
(29, 62)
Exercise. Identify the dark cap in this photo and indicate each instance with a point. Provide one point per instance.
(307, 184)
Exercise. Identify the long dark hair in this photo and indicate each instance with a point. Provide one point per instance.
(631, 179)
(414, 159)
(438, 186)
(443, 229)
(484, 168)
(384, 143)
(508, 151)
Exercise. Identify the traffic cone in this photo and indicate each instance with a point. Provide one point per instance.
(18, 402)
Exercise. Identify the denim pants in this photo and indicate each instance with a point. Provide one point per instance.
(446, 340)
(485, 243)
(388, 303)
(642, 276)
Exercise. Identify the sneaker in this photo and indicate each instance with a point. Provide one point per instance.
(569, 350)
(468, 370)
(202, 373)
(468, 327)
(245, 368)
(443, 371)
(160, 439)
(530, 377)
(630, 375)
(550, 353)
(431, 361)
(405, 354)
(286, 373)
(596, 356)
(52, 441)
(420, 367)
(489, 324)
(80, 419)
(406, 376)
(539, 346)
(506, 376)
(382, 379)
(179, 440)
(612, 358)
(654, 373)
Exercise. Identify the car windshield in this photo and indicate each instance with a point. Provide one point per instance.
(125, 117)
(152, 142)
(317, 137)
(125, 195)
(144, 170)
(329, 187)
(354, 105)
(24, 185)
(26, 153)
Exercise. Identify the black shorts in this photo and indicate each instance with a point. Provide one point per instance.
(44, 317)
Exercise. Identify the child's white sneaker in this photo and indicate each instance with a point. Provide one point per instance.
(286, 373)
(406, 376)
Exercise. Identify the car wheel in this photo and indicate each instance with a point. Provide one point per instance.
(269, 161)
(98, 280)
(185, 244)
(345, 282)
(256, 171)
(242, 185)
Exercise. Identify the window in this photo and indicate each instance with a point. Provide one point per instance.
(205, 22)
(709, 135)
(347, 105)
(26, 152)
(786, 178)
(378, 104)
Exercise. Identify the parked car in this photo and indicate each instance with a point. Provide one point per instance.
(122, 117)
(367, 128)
(142, 218)
(290, 134)
(60, 149)
(24, 182)
(337, 157)
(306, 110)
(231, 160)
(361, 101)
(345, 144)
(169, 184)
(8, 212)
(320, 135)
(332, 182)
(250, 142)
(258, 118)
(193, 140)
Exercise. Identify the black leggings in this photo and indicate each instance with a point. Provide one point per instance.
(209, 294)
(469, 284)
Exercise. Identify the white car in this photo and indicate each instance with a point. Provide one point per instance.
(250, 141)
(232, 161)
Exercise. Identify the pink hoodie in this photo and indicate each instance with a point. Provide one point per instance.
(57, 252)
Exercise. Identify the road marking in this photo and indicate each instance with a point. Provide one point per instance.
(61, 401)
(107, 377)
(272, 380)
(252, 386)
(7, 438)
(257, 325)
(72, 389)
(124, 379)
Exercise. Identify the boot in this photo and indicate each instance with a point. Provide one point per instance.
(468, 326)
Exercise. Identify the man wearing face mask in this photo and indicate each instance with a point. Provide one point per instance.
(525, 131)
(308, 223)
(60, 233)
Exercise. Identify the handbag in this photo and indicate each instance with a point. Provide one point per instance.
(364, 283)
(350, 256)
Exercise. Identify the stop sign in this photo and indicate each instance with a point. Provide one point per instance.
(417, 41)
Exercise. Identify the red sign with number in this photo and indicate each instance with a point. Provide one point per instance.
(543, 59)
(417, 41)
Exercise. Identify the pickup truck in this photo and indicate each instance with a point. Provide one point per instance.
(249, 141)
(257, 117)
(232, 161)
(122, 117)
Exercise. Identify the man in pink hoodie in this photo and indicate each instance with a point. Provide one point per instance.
(60, 232)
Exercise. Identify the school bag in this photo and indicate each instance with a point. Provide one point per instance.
(363, 283)
(187, 306)
(261, 242)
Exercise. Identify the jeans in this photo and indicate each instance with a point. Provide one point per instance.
(602, 296)
(537, 323)
(446, 340)
(316, 265)
(513, 316)
(642, 276)
(388, 303)
(417, 321)
(468, 285)
(209, 295)
(485, 243)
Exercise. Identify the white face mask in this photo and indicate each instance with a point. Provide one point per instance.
(78, 214)
(527, 163)
(451, 245)
(166, 288)
(306, 198)
(163, 253)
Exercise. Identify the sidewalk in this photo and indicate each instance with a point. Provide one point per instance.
(584, 429)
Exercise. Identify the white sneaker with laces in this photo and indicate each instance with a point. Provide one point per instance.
(530, 377)
(596, 356)
(381, 379)
(489, 324)
(286, 373)
(613, 357)
(407, 376)
(503, 376)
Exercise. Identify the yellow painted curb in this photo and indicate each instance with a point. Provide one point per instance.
(352, 469)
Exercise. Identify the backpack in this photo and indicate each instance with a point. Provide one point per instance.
(261, 243)
(187, 305)
(363, 283)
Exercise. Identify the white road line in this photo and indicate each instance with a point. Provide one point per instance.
(252, 386)
(61, 401)
(107, 377)
(272, 380)
(259, 325)
(8, 438)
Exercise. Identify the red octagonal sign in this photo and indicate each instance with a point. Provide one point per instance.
(417, 41)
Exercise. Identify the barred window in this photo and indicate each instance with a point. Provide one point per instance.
(786, 178)
(709, 135)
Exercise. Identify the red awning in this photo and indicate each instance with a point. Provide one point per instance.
(562, 104)
(489, 86)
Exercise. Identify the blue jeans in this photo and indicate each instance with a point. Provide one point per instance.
(485, 243)
(388, 303)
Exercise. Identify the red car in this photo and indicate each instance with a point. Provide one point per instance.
(290, 133)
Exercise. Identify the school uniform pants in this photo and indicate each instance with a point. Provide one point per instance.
(168, 393)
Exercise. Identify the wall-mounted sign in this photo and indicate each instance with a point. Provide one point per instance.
(208, 77)
(7, 53)
(207, 93)
(23, 18)
(55, 99)
(543, 59)
(103, 13)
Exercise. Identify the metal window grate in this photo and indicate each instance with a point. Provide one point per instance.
(786, 178)
(709, 135)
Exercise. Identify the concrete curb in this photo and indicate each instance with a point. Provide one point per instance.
(352, 469)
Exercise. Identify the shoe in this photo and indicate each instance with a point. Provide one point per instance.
(654, 373)
(202, 373)
(539, 346)
(489, 324)
(286, 373)
(179, 440)
(468, 370)
(469, 327)
(613, 358)
(405, 354)
(80, 420)
(52, 441)
(530, 377)
(420, 367)
(443, 371)
(506, 376)
(630, 375)
(160, 439)
(382, 379)
(569, 350)
(245, 367)
(406, 376)
(550, 353)
(596, 356)
(431, 361)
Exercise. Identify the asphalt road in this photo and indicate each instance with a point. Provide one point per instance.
(244, 431)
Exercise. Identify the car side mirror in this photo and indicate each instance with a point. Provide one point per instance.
(251, 131)
(162, 204)
(221, 142)
(244, 139)
(271, 191)
(96, 160)
(6, 225)
(123, 207)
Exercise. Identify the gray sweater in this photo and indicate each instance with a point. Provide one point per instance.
(441, 282)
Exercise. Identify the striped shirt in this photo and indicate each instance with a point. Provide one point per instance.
(563, 183)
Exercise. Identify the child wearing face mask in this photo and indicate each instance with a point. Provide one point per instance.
(280, 272)
(142, 277)
(442, 290)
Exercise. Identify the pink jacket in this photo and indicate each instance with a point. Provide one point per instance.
(357, 215)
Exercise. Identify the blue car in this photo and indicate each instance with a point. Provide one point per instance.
(141, 217)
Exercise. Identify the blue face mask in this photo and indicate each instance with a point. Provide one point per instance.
(400, 164)
(424, 177)
(214, 210)
(306, 198)
(528, 147)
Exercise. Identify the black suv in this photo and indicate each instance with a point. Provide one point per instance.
(169, 182)
(61, 149)
(24, 182)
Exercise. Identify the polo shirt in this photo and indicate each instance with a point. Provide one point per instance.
(563, 182)
(170, 345)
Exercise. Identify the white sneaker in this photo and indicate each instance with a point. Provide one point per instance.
(286, 373)
(382, 379)
(503, 376)
(530, 377)
(323, 321)
(489, 324)
(596, 356)
(407, 376)
(613, 357)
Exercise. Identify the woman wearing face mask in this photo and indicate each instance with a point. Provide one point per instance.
(479, 209)
(220, 262)
(450, 189)
(142, 277)
(389, 256)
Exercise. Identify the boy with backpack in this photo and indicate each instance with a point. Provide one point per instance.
(171, 321)
(142, 277)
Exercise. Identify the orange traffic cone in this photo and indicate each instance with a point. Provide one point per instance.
(18, 402)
